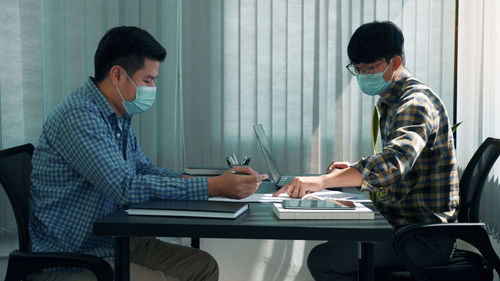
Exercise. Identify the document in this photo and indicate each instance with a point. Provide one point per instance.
(188, 208)
(256, 197)
(323, 195)
(357, 213)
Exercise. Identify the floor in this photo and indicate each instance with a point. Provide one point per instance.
(264, 259)
(235, 267)
(7, 244)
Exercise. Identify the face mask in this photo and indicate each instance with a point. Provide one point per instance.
(144, 98)
(374, 84)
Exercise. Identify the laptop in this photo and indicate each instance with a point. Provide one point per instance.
(278, 179)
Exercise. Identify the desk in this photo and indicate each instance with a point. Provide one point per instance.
(258, 223)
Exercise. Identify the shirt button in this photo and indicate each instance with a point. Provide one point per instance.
(118, 135)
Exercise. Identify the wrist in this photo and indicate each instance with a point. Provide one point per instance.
(323, 180)
(212, 186)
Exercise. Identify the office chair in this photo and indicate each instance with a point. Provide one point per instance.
(464, 265)
(15, 171)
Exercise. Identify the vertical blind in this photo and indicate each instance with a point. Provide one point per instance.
(230, 64)
(47, 51)
(281, 63)
(478, 93)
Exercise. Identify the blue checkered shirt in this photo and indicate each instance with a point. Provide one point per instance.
(87, 164)
(417, 163)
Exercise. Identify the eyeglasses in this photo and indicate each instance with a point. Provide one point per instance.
(362, 70)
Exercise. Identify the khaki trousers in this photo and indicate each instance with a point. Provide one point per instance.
(155, 260)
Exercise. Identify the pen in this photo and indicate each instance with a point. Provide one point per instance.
(246, 161)
(238, 173)
(234, 160)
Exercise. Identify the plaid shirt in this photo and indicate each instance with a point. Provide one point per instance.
(417, 162)
(87, 164)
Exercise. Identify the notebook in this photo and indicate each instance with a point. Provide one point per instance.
(278, 179)
(188, 208)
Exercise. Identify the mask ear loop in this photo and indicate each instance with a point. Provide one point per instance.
(129, 79)
(394, 72)
(119, 93)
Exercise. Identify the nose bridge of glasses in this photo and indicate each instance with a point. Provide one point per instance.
(369, 69)
(365, 70)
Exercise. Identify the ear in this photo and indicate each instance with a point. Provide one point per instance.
(397, 61)
(115, 74)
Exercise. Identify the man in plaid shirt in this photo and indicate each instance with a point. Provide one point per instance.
(416, 167)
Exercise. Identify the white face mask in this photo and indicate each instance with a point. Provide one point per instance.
(144, 98)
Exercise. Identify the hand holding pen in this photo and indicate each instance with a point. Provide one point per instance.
(239, 182)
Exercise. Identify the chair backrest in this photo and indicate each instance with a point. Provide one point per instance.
(15, 171)
(474, 178)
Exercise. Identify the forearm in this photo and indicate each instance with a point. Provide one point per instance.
(342, 178)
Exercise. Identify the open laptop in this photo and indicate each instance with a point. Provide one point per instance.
(278, 179)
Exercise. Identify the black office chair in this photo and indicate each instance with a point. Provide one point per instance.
(15, 170)
(464, 265)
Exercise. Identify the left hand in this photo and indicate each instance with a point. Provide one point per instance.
(301, 186)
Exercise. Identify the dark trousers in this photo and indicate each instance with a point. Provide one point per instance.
(339, 260)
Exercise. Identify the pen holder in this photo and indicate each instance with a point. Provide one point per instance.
(233, 161)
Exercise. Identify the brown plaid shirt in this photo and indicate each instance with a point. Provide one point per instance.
(417, 163)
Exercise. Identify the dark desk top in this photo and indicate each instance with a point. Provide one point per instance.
(258, 223)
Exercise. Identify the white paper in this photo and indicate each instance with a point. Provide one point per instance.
(325, 194)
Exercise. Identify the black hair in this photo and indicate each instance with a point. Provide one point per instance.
(374, 41)
(126, 46)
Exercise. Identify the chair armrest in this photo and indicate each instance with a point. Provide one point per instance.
(473, 233)
(22, 264)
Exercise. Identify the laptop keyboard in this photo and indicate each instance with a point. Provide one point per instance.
(284, 180)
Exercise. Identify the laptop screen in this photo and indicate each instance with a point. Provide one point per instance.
(266, 150)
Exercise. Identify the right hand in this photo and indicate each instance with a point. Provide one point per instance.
(301, 186)
(337, 165)
(235, 186)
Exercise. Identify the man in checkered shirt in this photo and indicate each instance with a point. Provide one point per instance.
(89, 162)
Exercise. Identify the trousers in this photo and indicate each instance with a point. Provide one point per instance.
(155, 260)
(339, 260)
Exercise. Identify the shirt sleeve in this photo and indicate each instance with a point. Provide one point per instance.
(413, 123)
(86, 143)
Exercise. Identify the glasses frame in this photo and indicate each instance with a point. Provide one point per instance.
(367, 69)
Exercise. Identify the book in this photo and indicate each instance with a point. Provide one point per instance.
(188, 208)
(360, 212)
(193, 171)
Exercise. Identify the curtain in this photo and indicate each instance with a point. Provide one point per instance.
(47, 51)
(281, 63)
(230, 64)
(478, 93)
(21, 99)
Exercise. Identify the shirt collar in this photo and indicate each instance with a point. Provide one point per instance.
(395, 90)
